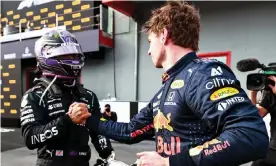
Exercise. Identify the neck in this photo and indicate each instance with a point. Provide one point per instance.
(173, 55)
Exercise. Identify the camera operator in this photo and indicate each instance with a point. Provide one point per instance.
(108, 114)
(267, 105)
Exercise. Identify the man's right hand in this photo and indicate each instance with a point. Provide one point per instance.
(78, 113)
(273, 87)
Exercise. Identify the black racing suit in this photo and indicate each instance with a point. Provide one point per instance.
(47, 128)
(112, 117)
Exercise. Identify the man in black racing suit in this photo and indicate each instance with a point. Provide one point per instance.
(46, 126)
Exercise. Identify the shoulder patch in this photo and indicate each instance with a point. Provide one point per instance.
(177, 84)
(205, 60)
(223, 93)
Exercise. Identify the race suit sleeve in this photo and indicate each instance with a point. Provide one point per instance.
(215, 96)
(101, 143)
(138, 129)
(35, 129)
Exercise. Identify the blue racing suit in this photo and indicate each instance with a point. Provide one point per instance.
(200, 117)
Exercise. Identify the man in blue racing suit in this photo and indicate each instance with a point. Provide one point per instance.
(201, 116)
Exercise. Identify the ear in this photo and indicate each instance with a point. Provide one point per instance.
(164, 36)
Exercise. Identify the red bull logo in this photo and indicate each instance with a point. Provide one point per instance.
(162, 122)
(171, 148)
(209, 147)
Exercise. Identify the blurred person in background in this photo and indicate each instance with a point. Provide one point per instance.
(200, 116)
(267, 105)
(108, 114)
(46, 124)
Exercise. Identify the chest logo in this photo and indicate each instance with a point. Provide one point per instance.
(177, 84)
(162, 122)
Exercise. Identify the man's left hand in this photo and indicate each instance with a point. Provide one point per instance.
(152, 159)
(273, 87)
(78, 113)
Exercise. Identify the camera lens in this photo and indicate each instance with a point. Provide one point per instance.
(257, 81)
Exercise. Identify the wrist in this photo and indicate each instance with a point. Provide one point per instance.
(67, 120)
(92, 122)
(166, 161)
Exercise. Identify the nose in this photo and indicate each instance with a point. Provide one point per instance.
(149, 53)
(71, 57)
(74, 57)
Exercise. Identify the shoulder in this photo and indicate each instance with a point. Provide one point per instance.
(211, 75)
(32, 95)
(202, 71)
(211, 67)
(34, 92)
(90, 92)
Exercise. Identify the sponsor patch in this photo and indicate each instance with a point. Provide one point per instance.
(171, 96)
(209, 147)
(56, 112)
(224, 92)
(216, 71)
(39, 138)
(177, 84)
(219, 82)
(59, 152)
(225, 104)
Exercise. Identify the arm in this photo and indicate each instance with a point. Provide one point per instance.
(102, 144)
(262, 111)
(253, 97)
(36, 131)
(139, 128)
(227, 111)
(267, 103)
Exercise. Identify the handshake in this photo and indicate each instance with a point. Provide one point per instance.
(78, 112)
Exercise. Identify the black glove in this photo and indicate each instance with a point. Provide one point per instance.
(100, 162)
(103, 162)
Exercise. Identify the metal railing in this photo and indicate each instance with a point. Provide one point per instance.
(103, 19)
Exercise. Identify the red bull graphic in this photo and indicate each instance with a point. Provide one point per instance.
(162, 122)
(216, 148)
(171, 148)
(209, 147)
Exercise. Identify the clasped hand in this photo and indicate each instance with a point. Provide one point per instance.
(78, 113)
(273, 87)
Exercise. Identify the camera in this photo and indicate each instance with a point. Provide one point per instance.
(257, 81)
